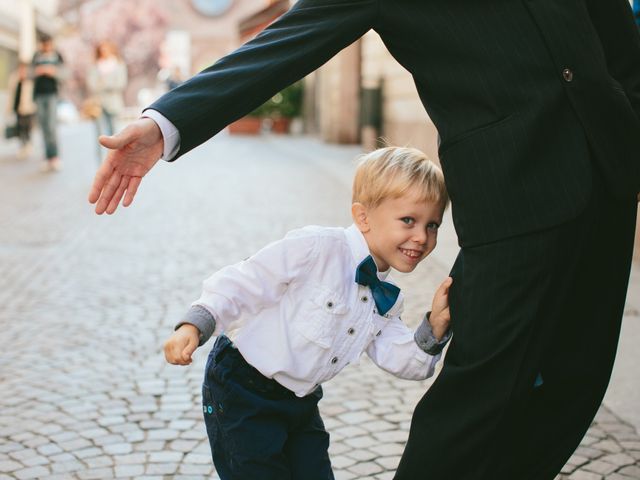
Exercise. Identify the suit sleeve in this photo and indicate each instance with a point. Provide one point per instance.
(620, 38)
(300, 41)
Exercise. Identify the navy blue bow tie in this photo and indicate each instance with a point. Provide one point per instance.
(384, 294)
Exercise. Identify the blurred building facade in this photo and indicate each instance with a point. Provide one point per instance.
(212, 30)
(363, 95)
(20, 22)
(187, 36)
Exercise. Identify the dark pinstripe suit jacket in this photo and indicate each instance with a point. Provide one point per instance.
(523, 93)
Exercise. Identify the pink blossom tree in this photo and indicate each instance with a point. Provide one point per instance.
(137, 28)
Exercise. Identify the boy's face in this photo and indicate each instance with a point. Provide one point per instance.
(400, 232)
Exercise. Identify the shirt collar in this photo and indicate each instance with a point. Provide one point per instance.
(360, 249)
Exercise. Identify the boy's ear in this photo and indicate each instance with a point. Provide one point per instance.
(360, 217)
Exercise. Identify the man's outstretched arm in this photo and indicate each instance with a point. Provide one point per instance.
(299, 42)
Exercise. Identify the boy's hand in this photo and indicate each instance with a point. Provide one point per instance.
(181, 345)
(440, 315)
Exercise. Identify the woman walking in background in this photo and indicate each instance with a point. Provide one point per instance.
(20, 102)
(106, 82)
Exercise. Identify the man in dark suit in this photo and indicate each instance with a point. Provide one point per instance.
(537, 103)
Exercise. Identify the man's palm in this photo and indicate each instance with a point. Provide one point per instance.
(134, 151)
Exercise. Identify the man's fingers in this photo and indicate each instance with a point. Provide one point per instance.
(117, 196)
(104, 183)
(108, 191)
(121, 139)
(102, 176)
(134, 183)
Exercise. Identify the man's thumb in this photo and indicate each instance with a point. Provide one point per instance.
(119, 140)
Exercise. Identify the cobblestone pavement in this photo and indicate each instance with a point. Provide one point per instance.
(86, 302)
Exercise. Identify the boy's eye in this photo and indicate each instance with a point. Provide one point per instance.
(407, 220)
(433, 226)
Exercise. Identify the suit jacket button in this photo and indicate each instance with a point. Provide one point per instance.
(567, 74)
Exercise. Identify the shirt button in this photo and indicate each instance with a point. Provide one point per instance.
(567, 74)
(365, 299)
(334, 360)
(351, 331)
(329, 304)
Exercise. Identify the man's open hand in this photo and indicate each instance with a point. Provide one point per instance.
(133, 152)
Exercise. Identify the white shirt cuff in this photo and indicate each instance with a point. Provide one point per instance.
(170, 133)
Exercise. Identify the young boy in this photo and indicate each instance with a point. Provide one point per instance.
(303, 308)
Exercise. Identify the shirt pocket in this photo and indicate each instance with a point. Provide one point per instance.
(324, 313)
(378, 322)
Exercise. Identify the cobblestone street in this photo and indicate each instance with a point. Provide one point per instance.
(86, 303)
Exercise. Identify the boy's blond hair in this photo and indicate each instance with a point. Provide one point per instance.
(391, 172)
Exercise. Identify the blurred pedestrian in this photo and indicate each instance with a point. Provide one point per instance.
(48, 72)
(106, 81)
(537, 104)
(20, 103)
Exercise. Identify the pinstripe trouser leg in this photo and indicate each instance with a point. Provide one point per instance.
(549, 302)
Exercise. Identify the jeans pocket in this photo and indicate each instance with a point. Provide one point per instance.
(209, 411)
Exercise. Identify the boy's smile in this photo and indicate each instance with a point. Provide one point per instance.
(400, 232)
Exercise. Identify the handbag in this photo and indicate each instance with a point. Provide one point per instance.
(11, 131)
(91, 108)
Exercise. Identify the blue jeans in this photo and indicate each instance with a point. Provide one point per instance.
(105, 123)
(258, 429)
(48, 120)
(104, 126)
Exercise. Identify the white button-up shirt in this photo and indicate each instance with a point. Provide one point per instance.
(296, 313)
